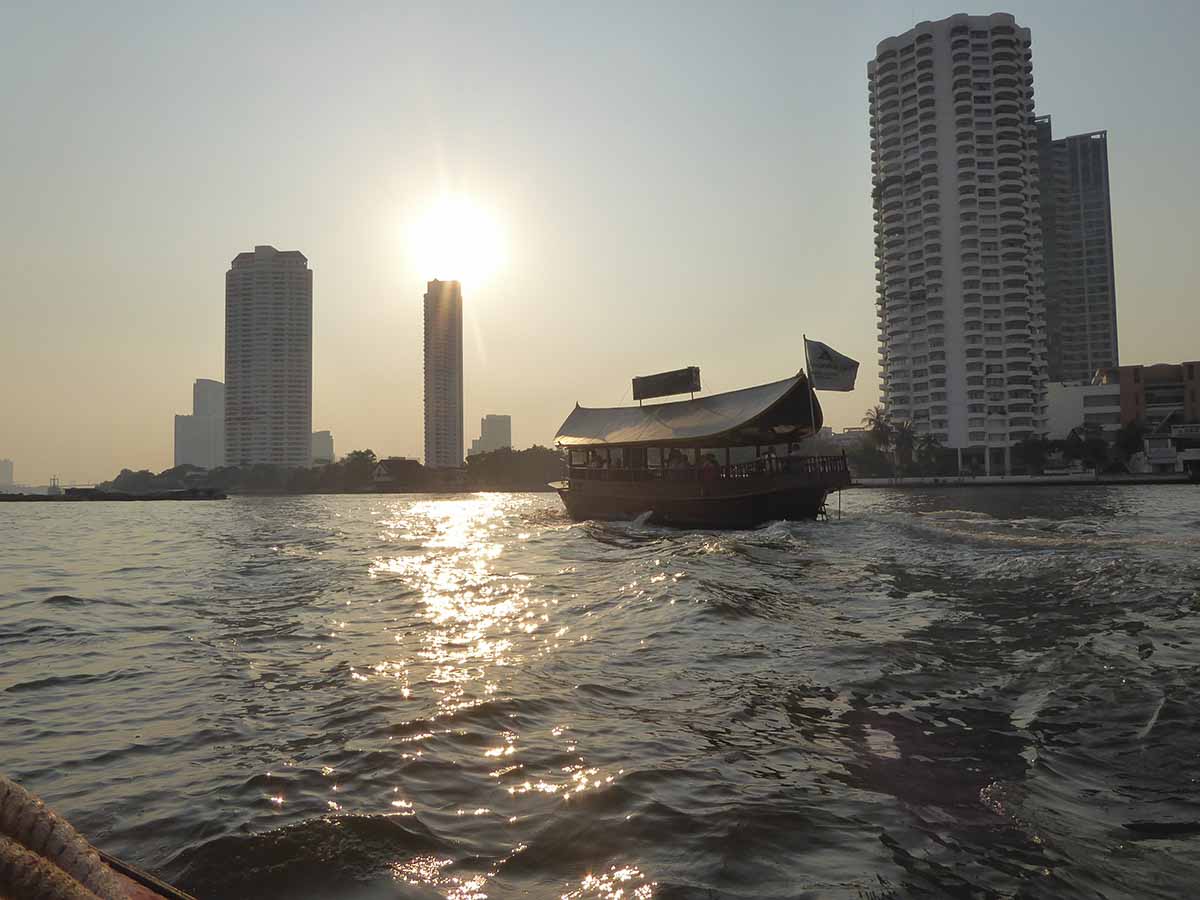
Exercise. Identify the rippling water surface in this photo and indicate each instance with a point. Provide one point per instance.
(966, 693)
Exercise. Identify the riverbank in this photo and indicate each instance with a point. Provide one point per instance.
(1074, 480)
(540, 488)
(77, 495)
(90, 495)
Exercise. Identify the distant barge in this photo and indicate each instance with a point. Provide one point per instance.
(92, 494)
(672, 461)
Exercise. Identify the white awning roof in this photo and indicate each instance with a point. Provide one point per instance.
(770, 413)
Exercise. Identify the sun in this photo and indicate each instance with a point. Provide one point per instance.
(456, 239)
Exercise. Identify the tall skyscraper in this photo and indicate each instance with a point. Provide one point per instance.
(268, 358)
(443, 375)
(200, 437)
(958, 240)
(495, 433)
(6, 473)
(1081, 289)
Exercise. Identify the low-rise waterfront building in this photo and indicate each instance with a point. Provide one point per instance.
(1156, 396)
(398, 472)
(1070, 405)
(1186, 439)
(1167, 451)
(850, 438)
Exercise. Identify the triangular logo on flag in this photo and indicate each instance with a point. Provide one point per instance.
(829, 370)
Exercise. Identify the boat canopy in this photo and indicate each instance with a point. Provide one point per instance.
(773, 413)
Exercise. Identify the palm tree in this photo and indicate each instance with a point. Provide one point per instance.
(904, 438)
(359, 464)
(928, 445)
(879, 424)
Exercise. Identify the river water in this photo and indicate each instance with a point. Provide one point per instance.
(965, 693)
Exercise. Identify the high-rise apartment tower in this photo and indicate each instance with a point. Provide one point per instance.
(322, 447)
(200, 437)
(268, 358)
(495, 433)
(958, 240)
(1081, 288)
(443, 375)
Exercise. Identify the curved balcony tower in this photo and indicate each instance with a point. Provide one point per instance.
(958, 241)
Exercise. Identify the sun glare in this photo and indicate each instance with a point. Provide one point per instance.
(456, 239)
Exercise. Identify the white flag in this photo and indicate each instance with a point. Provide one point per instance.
(828, 370)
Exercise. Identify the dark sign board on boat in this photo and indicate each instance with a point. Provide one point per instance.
(664, 384)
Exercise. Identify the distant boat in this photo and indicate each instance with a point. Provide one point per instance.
(675, 461)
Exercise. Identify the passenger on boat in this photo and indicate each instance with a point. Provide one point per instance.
(678, 466)
(709, 470)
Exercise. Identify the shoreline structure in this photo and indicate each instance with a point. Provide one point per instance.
(1073, 480)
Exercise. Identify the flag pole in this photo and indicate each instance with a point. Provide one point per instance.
(812, 412)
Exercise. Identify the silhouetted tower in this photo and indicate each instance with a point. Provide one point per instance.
(1081, 287)
(443, 375)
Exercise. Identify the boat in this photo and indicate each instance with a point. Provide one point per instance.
(729, 460)
(43, 856)
(140, 884)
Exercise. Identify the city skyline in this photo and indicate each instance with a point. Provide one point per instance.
(641, 232)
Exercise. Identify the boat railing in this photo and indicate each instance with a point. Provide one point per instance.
(789, 465)
(817, 467)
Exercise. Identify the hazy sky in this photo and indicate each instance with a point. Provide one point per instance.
(677, 185)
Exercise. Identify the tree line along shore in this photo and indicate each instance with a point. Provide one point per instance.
(360, 471)
(893, 449)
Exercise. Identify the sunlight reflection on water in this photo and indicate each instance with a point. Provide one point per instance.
(472, 610)
(618, 883)
(480, 619)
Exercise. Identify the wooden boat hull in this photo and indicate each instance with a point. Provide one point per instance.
(692, 505)
(141, 885)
